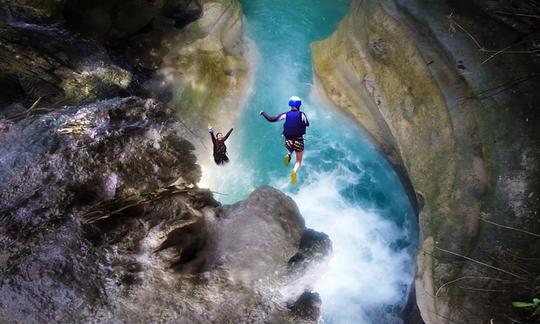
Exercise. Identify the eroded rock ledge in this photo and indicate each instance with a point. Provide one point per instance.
(101, 220)
(462, 127)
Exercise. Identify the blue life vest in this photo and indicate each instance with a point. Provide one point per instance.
(294, 126)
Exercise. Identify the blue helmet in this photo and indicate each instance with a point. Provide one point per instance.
(295, 102)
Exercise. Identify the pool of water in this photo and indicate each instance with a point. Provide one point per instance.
(345, 187)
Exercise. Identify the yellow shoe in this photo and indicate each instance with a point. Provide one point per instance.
(287, 159)
(293, 178)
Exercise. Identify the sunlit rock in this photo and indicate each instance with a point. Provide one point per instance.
(202, 68)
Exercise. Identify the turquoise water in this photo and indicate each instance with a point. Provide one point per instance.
(346, 189)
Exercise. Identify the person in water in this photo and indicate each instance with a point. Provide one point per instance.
(220, 149)
(294, 129)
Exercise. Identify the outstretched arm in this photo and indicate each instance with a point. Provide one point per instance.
(305, 120)
(273, 118)
(227, 135)
(211, 131)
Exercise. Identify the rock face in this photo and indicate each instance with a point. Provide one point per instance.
(252, 244)
(56, 64)
(460, 124)
(101, 221)
(307, 306)
(203, 67)
(189, 54)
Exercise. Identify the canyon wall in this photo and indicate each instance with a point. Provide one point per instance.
(447, 91)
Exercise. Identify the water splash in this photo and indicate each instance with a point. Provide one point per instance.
(366, 271)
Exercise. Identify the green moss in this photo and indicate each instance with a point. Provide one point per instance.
(101, 82)
(203, 96)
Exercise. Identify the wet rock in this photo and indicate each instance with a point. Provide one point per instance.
(182, 12)
(380, 49)
(307, 307)
(108, 135)
(314, 247)
(251, 243)
(101, 220)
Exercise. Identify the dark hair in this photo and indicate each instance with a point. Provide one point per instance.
(217, 134)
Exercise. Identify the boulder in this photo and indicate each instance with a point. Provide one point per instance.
(81, 188)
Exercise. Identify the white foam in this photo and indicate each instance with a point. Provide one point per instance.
(364, 273)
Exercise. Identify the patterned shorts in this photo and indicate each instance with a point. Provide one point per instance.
(294, 144)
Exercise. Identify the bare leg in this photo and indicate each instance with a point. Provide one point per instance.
(298, 161)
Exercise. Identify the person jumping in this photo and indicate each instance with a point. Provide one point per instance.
(220, 150)
(294, 129)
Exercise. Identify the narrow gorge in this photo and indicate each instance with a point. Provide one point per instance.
(416, 202)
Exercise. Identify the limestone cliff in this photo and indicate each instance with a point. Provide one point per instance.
(459, 119)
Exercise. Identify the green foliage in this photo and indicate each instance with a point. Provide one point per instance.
(534, 306)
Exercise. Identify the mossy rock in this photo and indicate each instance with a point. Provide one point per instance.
(97, 82)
